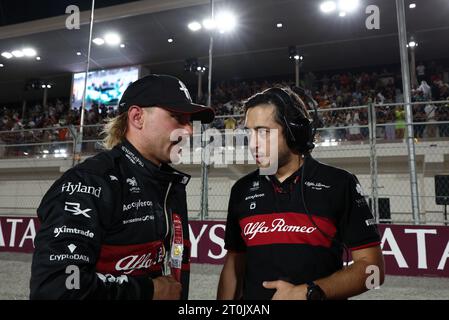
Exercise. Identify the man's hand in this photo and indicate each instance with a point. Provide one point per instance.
(286, 290)
(166, 288)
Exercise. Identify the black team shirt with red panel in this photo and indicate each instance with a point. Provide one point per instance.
(267, 221)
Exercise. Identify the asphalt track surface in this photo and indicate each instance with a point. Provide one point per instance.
(15, 275)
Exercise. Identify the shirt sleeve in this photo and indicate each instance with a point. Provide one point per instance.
(74, 215)
(358, 226)
(233, 233)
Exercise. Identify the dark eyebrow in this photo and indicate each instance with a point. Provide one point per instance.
(261, 127)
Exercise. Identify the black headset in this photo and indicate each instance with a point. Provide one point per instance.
(299, 132)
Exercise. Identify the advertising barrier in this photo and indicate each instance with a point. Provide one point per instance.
(408, 250)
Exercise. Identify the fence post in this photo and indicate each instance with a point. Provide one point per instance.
(373, 160)
(76, 148)
(400, 8)
(204, 210)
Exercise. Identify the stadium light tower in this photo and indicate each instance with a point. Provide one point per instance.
(192, 65)
(412, 44)
(79, 139)
(342, 6)
(294, 55)
(220, 22)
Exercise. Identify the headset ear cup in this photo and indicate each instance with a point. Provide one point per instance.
(298, 132)
(302, 132)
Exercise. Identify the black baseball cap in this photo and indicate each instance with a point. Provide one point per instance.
(166, 92)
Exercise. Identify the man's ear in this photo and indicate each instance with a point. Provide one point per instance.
(136, 115)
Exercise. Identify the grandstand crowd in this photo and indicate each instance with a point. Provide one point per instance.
(331, 91)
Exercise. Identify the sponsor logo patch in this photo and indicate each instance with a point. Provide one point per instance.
(255, 196)
(316, 185)
(132, 182)
(65, 230)
(132, 157)
(70, 256)
(75, 209)
(255, 187)
(71, 188)
(139, 219)
(137, 205)
(135, 260)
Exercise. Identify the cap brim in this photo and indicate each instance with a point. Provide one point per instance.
(198, 112)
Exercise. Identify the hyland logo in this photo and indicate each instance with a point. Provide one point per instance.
(132, 157)
(137, 205)
(133, 184)
(255, 186)
(71, 256)
(75, 209)
(71, 188)
(64, 229)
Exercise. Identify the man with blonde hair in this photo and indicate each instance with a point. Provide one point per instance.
(115, 226)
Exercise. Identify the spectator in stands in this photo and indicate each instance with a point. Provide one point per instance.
(230, 123)
(390, 127)
(340, 122)
(426, 90)
(430, 111)
(443, 116)
(419, 116)
(399, 114)
(330, 91)
(421, 72)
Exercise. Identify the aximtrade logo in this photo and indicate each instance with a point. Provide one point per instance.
(65, 230)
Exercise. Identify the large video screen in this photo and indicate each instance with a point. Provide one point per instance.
(103, 86)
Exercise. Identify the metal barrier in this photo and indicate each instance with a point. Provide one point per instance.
(369, 141)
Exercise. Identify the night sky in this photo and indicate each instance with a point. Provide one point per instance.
(17, 11)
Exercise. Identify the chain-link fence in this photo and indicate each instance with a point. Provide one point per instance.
(369, 141)
(430, 146)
